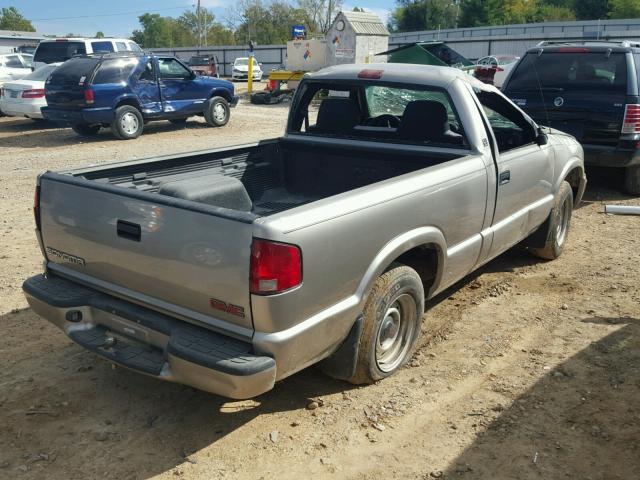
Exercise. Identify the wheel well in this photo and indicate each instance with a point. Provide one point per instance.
(573, 178)
(424, 260)
(128, 101)
(221, 93)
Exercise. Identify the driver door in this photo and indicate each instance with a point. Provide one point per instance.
(179, 88)
(525, 173)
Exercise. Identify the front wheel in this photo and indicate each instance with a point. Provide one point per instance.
(128, 123)
(217, 112)
(632, 179)
(392, 318)
(557, 225)
(85, 130)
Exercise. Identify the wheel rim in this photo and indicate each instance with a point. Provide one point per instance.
(393, 339)
(129, 123)
(563, 223)
(219, 112)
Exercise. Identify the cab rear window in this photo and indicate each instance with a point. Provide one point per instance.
(50, 52)
(589, 71)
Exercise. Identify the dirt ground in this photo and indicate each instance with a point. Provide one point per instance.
(526, 370)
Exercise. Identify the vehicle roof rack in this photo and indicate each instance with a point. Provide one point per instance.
(620, 43)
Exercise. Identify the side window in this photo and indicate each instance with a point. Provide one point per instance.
(114, 71)
(510, 127)
(104, 46)
(147, 74)
(13, 61)
(171, 68)
(121, 46)
(134, 47)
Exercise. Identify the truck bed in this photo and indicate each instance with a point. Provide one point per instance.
(276, 175)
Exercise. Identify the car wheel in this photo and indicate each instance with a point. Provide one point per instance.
(128, 123)
(217, 112)
(391, 324)
(84, 129)
(557, 225)
(632, 179)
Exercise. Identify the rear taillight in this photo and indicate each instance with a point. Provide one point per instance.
(35, 93)
(88, 96)
(36, 207)
(275, 267)
(631, 123)
(573, 50)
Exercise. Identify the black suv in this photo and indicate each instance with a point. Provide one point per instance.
(590, 90)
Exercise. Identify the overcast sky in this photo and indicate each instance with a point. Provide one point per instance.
(118, 18)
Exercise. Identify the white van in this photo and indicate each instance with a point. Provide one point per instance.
(62, 49)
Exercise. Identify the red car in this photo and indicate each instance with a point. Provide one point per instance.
(205, 65)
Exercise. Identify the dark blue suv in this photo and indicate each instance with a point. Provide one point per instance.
(124, 91)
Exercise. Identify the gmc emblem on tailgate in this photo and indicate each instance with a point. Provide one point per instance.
(227, 307)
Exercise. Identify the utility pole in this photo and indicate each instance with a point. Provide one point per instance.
(199, 33)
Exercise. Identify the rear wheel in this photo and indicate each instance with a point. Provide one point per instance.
(128, 123)
(557, 226)
(217, 112)
(85, 130)
(632, 179)
(392, 318)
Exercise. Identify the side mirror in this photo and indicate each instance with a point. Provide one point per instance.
(542, 138)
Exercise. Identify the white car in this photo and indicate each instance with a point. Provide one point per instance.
(62, 49)
(25, 97)
(495, 68)
(14, 66)
(241, 69)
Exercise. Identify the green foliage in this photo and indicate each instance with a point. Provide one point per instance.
(11, 19)
(423, 15)
(268, 25)
(99, 34)
(625, 9)
(158, 31)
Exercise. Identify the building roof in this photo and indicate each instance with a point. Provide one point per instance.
(365, 23)
(21, 35)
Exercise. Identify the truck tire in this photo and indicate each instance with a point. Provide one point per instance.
(217, 112)
(85, 130)
(128, 123)
(632, 179)
(391, 324)
(557, 225)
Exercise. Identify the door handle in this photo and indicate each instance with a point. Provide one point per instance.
(504, 177)
(129, 230)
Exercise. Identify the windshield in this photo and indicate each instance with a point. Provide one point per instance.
(50, 52)
(241, 62)
(571, 71)
(378, 112)
(41, 74)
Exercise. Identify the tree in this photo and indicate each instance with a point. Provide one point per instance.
(11, 19)
(266, 24)
(423, 15)
(205, 30)
(358, 9)
(99, 34)
(624, 9)
(591, 9)
(156, 31)
(320, 13)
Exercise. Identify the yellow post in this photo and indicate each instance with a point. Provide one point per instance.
(250, 72)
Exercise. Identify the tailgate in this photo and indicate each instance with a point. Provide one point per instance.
(65, 86)
(184, 258)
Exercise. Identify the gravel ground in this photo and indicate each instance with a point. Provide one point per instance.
(526, 370)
